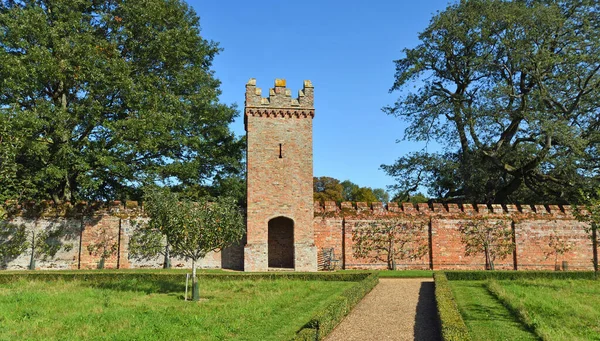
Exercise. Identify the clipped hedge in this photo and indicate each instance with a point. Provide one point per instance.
(98, 276)
(511, 275)
(452, 325)
(323, 322)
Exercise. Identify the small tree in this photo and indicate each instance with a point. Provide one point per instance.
(590, 214)
(105, 246)
(390, 240)
(151, 239)
(194, 229)
(493, 239)
(559, 246)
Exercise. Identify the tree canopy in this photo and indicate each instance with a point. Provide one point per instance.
(330, 189)
(98, 97)
(511, 90)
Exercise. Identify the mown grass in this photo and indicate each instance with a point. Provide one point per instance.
(554, 309)
(485, 317)
(134, 310)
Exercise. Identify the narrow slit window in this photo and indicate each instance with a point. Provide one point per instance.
(280, 151)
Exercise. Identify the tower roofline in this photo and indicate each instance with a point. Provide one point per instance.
(280, 96)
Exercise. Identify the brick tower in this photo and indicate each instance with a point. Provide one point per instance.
(280, 179)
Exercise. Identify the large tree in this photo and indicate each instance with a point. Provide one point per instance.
(511, 90)
(105, 95)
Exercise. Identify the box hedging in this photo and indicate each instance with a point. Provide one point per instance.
(326, 319)
(93, 276)
(452, 325)
(511, 275)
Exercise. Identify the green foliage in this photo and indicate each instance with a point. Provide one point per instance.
(493, 239)
(13, 242)
(510, 90)
(515, 275)
(192, 229)
(105, 245)
(327, 189)
(418, 198)
(559, 245)
(139, 275)
(325, 320)
(389, 240)
(452, 325)
(98, 97)
(591, 215)
(146, 242)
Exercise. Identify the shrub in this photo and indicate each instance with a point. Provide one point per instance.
(511, 275)
(452, 325)
(327, 318)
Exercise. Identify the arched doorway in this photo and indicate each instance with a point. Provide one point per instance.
(281, 243)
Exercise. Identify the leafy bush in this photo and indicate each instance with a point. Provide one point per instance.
(104, 276)
(327, 318)
(511, 275)
(452, 325)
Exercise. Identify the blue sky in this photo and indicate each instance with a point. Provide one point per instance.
(346, 48)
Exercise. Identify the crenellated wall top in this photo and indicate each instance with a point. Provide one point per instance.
(327, 208)
(49, 209)
(378, 209)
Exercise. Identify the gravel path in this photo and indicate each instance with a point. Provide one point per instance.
(396, 309)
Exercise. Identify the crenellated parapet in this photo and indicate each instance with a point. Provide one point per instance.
(49, 209)
(280, 102)
(378, 209)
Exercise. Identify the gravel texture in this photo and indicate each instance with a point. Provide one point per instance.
(396, 309)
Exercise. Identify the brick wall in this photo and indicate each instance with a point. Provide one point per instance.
(82, 225)
(86, 225)
(532, 227)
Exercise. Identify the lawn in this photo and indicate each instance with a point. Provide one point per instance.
(258, 309)
(485, 317)
(555, 309)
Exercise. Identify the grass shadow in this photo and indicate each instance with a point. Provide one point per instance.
(148, 287)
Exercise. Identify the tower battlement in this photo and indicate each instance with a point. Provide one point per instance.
(280, 97)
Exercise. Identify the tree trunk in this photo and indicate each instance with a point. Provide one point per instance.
(32, 260)
(167, 260)
(195, 292)
(595, 248)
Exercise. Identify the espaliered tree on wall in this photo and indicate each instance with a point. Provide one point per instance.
(98, 97)
(493, 239)
(390, 240)
(511, 90)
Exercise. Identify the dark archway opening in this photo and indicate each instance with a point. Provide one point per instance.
(281, 243)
